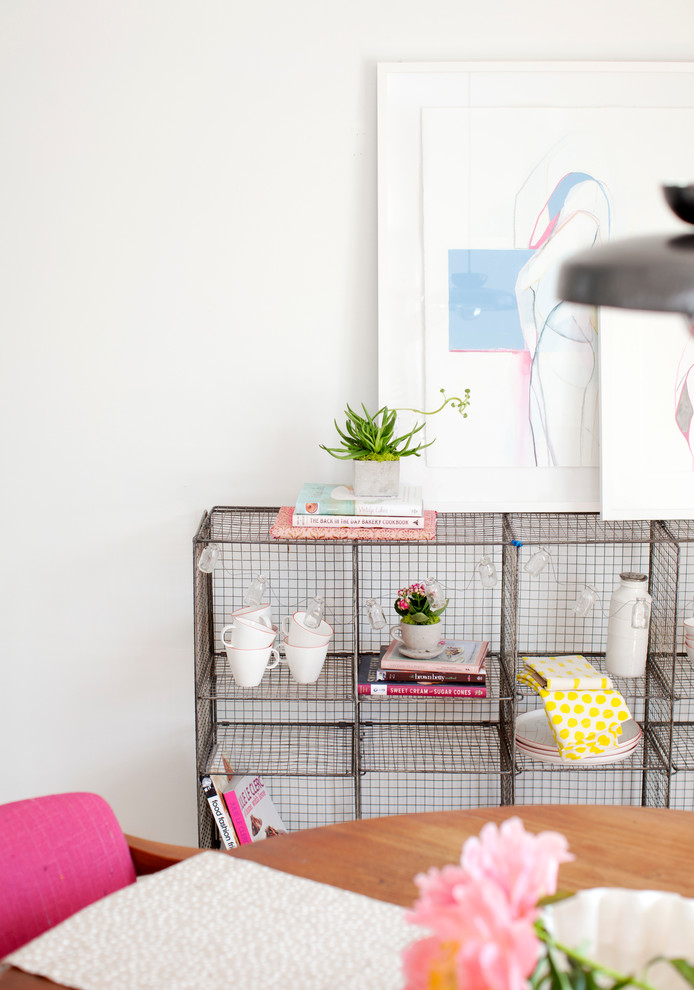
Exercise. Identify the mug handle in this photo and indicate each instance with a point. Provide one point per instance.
(396, 632)
(273, 653)
(285, 625)
(221, 635)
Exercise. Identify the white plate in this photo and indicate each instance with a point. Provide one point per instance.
(422, 654)
(534, 729)
(592, 761)
(625, 929)
(541, 750)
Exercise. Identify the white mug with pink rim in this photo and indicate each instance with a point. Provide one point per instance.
(248, 666)
(689, 637)
(247, 634)
(305, 662)
(297, 633)
(260, 613)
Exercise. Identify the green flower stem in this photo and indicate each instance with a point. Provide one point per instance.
(582, 960)
(461, 404)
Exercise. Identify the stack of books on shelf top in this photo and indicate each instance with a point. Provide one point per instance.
(458, 671)
(333, 512)
(337, 505)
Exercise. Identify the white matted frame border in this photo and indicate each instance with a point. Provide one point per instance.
(404, 91)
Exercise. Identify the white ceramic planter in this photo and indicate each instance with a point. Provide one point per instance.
(374, 479)
(625, 929)
(422, 639)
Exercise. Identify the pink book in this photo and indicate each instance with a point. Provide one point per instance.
(389, 689)
(252, 812)
(460, 656)
(282, 529)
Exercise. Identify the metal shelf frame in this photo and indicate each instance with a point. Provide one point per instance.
(331, 754)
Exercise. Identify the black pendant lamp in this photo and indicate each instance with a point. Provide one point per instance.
(653, 273)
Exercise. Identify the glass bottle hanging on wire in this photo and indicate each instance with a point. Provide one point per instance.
(585, 601)
(256, 592)
(538, 561)
(487, 573)
(433, 589)
(375, 614)
(208, 558)
(314, 613)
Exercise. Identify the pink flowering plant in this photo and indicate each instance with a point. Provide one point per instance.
(421, 603)
(486, 923)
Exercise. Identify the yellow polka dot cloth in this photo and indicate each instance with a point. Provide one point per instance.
(583, 709)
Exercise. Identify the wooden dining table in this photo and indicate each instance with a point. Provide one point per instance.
(614, 846)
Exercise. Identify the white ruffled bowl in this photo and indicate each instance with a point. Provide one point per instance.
(625, 929)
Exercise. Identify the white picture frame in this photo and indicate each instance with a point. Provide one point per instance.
(423, 108)
(647, 463)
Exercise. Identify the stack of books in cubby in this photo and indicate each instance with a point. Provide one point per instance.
(241, 806)
(457, 672)
(327, 506)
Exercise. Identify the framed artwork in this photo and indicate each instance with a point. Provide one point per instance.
(490, 175)
(646, 412)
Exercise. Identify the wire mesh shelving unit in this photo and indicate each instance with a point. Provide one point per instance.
(328, 754)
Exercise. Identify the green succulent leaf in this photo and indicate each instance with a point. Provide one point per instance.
(440, 611)
(366, 435)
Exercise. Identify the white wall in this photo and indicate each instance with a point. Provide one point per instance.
(187, 299)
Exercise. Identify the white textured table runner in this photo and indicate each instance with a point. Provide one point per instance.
(217, 922)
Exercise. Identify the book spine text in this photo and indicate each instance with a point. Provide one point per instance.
(237, 819)
(359, 522)
(384, 689)
(219, 813)
(414, 676)
(424, 672)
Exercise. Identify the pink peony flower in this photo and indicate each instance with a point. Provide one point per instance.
(430, 964)
(523, 864)
(482, 913)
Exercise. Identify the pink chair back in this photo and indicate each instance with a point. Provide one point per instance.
(57, 854)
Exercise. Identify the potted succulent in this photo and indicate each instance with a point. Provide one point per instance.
(420, 607)
(372, 443)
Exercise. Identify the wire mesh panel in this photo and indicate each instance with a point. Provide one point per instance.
(657, 775)
(334, 684)
(682, 790)
(675, 666)
(682, 531)
(435, 748)
(436, 734)
(580, 786)
(462, 540)
(296, 572)
(683, 708)
(582, 553)
(414, 792)
(283, 749)
(307, 802)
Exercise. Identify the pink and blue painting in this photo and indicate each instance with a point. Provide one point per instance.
(506, 300)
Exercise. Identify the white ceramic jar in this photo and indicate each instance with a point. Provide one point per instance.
(627, 626)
